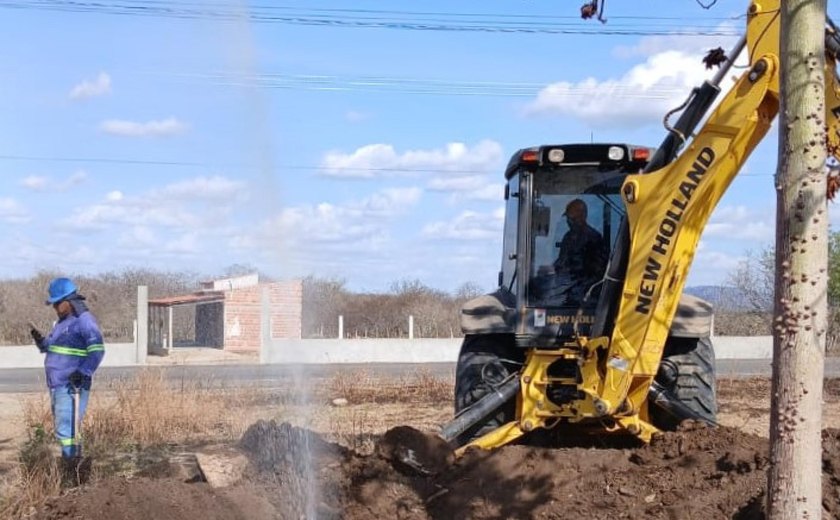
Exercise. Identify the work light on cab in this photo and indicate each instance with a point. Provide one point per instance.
(556, 155)
(615, 153)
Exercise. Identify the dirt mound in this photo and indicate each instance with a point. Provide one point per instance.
(831, 473)
(142, 499)
(415, 452)
(697, 472)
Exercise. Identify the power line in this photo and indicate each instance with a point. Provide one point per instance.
(264, 15)
(537, 16)
(407, 85)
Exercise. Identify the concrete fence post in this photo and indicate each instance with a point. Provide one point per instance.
(141, 327)
(410, 327)
(340, 327)
(171, 327)
(712, 326)
(265, 324)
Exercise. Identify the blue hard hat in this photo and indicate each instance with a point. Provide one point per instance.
(60, 288)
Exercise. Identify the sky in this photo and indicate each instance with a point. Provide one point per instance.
(319, 138)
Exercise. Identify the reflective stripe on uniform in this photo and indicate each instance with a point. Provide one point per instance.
(67, 351)
(96, 348)
(67, 442)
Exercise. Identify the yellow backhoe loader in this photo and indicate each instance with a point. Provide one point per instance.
(589, 329)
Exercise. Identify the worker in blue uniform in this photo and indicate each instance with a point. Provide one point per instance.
(74, 349)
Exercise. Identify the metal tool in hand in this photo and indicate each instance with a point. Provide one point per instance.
(76, 381)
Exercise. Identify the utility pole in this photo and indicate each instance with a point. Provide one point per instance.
(795, 479)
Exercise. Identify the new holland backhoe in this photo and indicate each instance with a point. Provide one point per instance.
(589, 329)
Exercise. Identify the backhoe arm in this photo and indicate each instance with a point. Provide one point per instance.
(668, 209)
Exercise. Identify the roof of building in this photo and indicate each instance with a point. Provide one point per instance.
(189, 299)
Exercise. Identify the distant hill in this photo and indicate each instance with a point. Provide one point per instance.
(721, 296)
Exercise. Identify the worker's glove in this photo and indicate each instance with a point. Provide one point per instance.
(76, 379)
(38, 338)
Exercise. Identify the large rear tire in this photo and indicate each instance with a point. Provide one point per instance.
(687, 372)
(485, 361)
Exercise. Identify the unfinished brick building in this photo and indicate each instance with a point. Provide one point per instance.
(227, 314)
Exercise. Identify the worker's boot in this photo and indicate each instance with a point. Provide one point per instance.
(75, 471)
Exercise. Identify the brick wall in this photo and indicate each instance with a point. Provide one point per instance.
(242, 314)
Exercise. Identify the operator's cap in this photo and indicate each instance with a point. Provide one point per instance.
(60, 289)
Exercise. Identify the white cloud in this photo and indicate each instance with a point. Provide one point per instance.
(491, 193)
(149, 213)
(82, 254)
(197, 203)
(375, 160)
(186, 244)
(387, 202)
(92, 88)
(205, 188)
(648, 45)
(468, 225)
(35, 182)
(458, 183)
(309, 226)
(641, 96)
(155, 128)
(711, 266)
(137, 237)
(740, 223)
(12, 212)
(321, 230)
(472, 187)
(43, 184)
(354, 116)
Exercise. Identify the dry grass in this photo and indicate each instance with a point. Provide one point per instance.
(149, 411)
(142, 411)
(38, 477)
(352, 428)
(363, 387)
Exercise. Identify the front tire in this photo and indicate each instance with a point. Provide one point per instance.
(484, 362)
(687, 372)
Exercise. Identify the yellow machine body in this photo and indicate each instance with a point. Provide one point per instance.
(667, 211)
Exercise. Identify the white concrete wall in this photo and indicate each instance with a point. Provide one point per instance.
(361, 351)
(116, 355)
(325, 351)
(743, 347)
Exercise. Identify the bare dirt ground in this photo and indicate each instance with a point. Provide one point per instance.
(329, 464)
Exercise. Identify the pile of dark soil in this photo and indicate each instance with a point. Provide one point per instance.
(697, 472)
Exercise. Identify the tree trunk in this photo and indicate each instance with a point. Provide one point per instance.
(795, 477)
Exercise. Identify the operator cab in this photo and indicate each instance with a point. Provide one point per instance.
(563, 210)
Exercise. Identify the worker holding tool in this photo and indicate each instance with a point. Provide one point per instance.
(74, 349)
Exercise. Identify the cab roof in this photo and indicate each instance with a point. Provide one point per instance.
(559, 155)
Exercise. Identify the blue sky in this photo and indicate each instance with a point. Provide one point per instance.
(194, 144)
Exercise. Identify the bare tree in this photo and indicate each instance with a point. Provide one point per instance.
(754, 280)
(794, 487)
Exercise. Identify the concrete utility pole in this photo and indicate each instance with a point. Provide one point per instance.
(794, 487)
